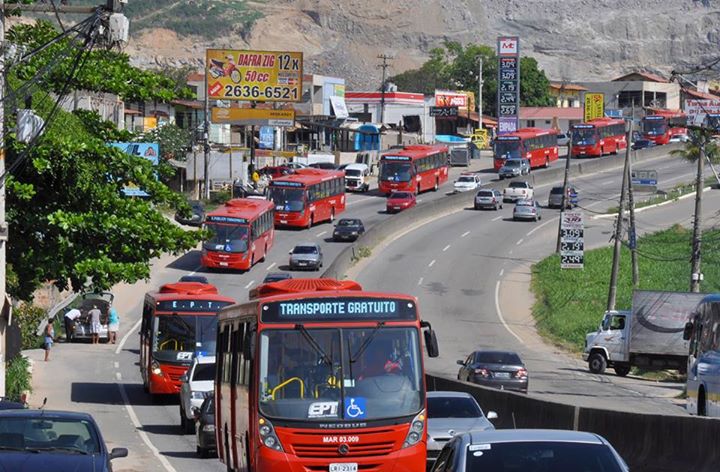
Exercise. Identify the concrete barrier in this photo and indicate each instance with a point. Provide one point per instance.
(648, 443)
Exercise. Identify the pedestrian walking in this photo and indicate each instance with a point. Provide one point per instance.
(49, 339)
(113, 325)
(69, 319)
(95, 324)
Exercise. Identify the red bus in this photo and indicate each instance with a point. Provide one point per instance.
(598, 137)
(307, 197)
(319, 375)
(178, 322)
(413, 168)
(242, 234)
(539, 146)
(662, 125)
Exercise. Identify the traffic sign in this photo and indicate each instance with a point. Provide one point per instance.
(644, 180)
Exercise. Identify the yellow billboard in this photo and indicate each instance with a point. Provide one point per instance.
(261, 76)
(253, 117)
(594, 106)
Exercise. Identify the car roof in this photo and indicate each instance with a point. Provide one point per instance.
(357, 166)
(494, 351)
(448, 394)
(534, 435)
(53, 414)
(307, 244)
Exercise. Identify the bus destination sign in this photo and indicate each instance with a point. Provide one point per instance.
(191, 306)
(339, 309)
(226, 219)
(396, 158)
(283, 183)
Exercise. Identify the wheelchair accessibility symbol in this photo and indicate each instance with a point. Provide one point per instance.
(355, 407)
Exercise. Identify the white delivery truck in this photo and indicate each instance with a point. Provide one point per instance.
(649, 336)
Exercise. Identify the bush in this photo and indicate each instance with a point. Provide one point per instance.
(28, 318)
(17, 378)
(220, 197)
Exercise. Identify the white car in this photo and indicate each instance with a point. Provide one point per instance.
(680, 138)
(197, 383)
(467, 182)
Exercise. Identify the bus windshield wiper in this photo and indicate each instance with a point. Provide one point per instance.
(319, 350)
(367, 342)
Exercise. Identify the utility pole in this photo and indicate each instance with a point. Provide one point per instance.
(384, 67)
(480, 87)
(3, 223)
(633, 228)
(565, 193)
(695, 274)
(206, 143)
(612, 293)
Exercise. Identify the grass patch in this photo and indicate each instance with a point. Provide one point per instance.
(17, 378)
(673, 194)
(570, 303)
(360, 253)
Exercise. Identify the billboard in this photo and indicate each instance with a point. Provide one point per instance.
(149, 151)
(697, 110)
(449, 98)
(594, 106)
(253, 117)
(263, 76)
(508, 91)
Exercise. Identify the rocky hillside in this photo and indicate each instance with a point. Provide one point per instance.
(571, 39)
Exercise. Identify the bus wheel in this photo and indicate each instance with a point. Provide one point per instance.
(437, 185)
(310, 223)
(418, 190)
(602, 152)
(547, 162)
(332, 215)
(701, 407)
(262, 259)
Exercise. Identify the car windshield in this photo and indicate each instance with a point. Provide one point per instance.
(399, 195)
(497, 358)
(59, 435)
(512, 163)
(288, 199)
(584, 136)
(305, 250)
(178, 337)
(518, 185)
(537, 456)
(204, 372)
(353, 374)
(352, 172)
(396, 171)
(466, 178)
(507, 149)
(453, 407)
(348, 223)
(653, 127)
(227, 238)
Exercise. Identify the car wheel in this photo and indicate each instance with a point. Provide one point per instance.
(476, 207)
(496, 207)
(201, 452)
(597, 363)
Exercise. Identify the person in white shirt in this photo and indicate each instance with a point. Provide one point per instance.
(70, 318)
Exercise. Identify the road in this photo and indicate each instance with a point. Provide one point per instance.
(105, 380)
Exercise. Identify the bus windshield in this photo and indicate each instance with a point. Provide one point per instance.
(178, 337)
(340, 374)
(396, 171)
(288, 199)
(507, 149)
(584, 136)
(227, 238)
(654, 127)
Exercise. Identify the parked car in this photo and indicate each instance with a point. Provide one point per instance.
(205, 441)
(201, 279)
(498, 369)
(196, 217)
(518, 190)
(276, 171)
(33, 440)
(6, 404)
(197, 382)
(679, 138)
(467, 182)
(348, 229)
(642, 144)
(514, 450)
(398, 201)
(451, 413)
(488, 198)
(81, 327)
(306, 256)
(276, 277)
(514, 168)
(527, 210)
(324, 165)
(563, 139)
(555, 200)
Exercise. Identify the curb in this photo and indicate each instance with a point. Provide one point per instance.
(638, 210)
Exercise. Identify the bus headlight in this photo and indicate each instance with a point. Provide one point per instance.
(417, 429)
(268, 436)
(155, 368)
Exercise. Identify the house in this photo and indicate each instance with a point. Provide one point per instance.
(567, 95)
(638, 90)
(550, 117)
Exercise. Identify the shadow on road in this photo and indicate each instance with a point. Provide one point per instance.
(189, 261)
(169, 429)
(109, 394)
(180, 454)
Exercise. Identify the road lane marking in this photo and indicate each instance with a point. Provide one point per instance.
(271, 266)
(538, 227)
(127, 335)
(321, 233)
(432, 263)
(500, 315)
(465, 234)
(519, 242)
(497, 218)
(420, 281)
(446, 248)
(116, 364)
(502, 271)
(249, 284)
(118, 375)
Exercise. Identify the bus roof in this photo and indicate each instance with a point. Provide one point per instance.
(665, 113)
(525, 133)
(417, 151)
(605, 121)
(295, 286)
(240, 210)
(305, 177)
(188, 290)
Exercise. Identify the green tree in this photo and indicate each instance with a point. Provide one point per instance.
(173, 140)
(534, 85)
(691, 151)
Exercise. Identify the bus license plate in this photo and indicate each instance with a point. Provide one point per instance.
(223, 264)
(345, 467)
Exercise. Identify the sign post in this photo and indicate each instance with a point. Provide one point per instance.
(644, 180)
(508, 91)
(572, 243)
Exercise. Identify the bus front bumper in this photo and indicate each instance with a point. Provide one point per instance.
(220, 260)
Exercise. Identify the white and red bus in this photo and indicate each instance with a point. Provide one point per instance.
(319, 375)
(598, 137)
(539, 146)
(242, 234)
(179, 322)
(662, 125)
(307, 197)
(413, 168)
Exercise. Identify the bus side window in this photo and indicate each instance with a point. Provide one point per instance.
(224, 355)
(234, 355)
(146, 316)
(239, 336)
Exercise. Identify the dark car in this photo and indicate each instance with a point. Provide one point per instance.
(555, 200)
(324, 165)
(201, 279)
(276, 277)
(205, 430)
(513, 450)
(642, 144)
(498, 369)
(348, 229)
(10, 405)
(196, 217)
(33, 440)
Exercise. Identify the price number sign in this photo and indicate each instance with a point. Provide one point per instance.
(572, 243)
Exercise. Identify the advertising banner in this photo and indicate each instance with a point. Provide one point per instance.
(444, 112)
(594, 106)
(149, 151)
(697, 110)
(508, 92)
(265, 76)
(449, 98)
(267, 137)
(254, 117)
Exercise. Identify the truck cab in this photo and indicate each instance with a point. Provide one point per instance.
(357, 177)
(608, 346)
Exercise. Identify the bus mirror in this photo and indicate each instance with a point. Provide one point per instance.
(687, 332)
(431, 343)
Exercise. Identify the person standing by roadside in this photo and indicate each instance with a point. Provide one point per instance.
(95, 324)
(49, 338)
(113, 325)
(69, 319)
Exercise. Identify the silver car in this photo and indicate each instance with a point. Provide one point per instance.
(514, 168)
(527, 210)
(306, 256)
(451, 413)
(488, 198)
